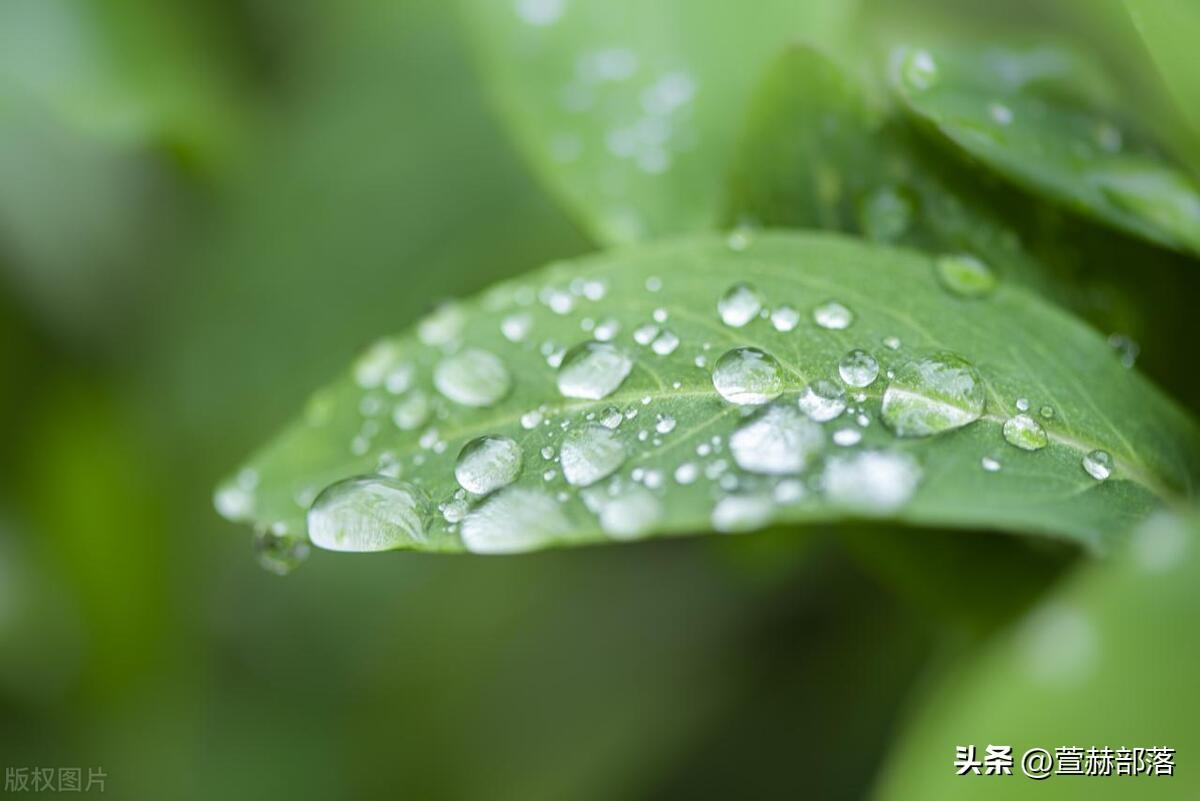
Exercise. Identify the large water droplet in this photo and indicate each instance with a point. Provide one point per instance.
(737, 513)
(590, 453)
(593, 370)
(777, 441)
(740, 304)
(822, 400)
(472, 377)
(748, 377)
(1098, 464)
(1025, 433)
(872, 482)
(833, 315)
(964, 275)
(937, 393)
(368, 513)
(487, 463)
(514, 519)
(858, 368)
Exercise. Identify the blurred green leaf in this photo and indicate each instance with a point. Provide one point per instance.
(628, 109)
(1170, 30)
(1107, 661)
(1016, 112)
(491, 360)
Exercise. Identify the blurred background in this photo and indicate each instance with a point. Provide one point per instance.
(206, 209)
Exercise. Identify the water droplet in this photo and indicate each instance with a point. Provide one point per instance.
(874, 482)
(1001, 113)
(665, 344)
(785, 318)
(1025, 433)
(654, 284)
(645, 334)
(665, 424)
(1047, 412)
(277, 552)
(472, 377)
(368, 513)
(892, 343)
(485, 464)
(1098, 464)
(776, 441)
(822, 400)
(964, 275)
(737, 513)
(686, 473)
(1022, 404)
(989, 464)
(590, 453)
(516, 327)
(531, 419)
(443, 325)
(748, 377)
(372, 367)
(607, 330)
(833, 315)
(740, 304)
(1127, 350)
(411, 411)
(858, 368)
(236, 499)
(739, 239)
(611, 417)
(847, 437)
(593, 370)
(933, 394)
(918, 69)
(631, 513)
(547, 452)
(514, 519)
(886, 214)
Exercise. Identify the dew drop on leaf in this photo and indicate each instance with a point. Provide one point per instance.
(872, 482)
(630, 514)
(740, 304)
(487, 463)
(784, 318)
(512, 520)
(886, 214)
(964, 275)
(665, 343)
(737, 513)
(1098, 464)
(748, 377)
(589, 453)
(933, 394)
(858, 368)
(593, 370)
(833, 315)
(918, 69)
(516, 327)
(411, 411)
(368, 513)
(472, 377)
(822, 400)
(776, 441)
(847, 437)
(1025, 433)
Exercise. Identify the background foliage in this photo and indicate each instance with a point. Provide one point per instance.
(207, 209)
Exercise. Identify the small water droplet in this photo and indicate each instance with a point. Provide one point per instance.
(1022, 404)
(1001, 113)
(660, 315)
(593, 370)
(822, 400)
(686, 473)
(645, 334)
(1047, 412)
(964, 275)
(739, 239)
(1025, 433)
(989, 464)
(858, 368)
(776, 441)
(512, 520)
(611, 417)
(373, 366)
(411, 411)
(665, 343)
(590, 453)
(472, 377)
(631, 513)
(665, 424)
(785, 318)
(892, 343)
(886, 214)
(1127, 350)
(487, 463)
(847, 437)
(368, 513)
(737, 513)
(748, 377)
(1098, 464)
(833, 315)
(606, 330)
(740, 304)
(278, 552)
(931, 395)
(873, 482)
(516, 327)
(918, 69)
(443, 326)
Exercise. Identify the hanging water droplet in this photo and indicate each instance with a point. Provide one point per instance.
(516, 327)
(590, 453)
(737, 513)
(872, 482)
(593, 370)
(964, 275)
(368, 513)
(785, 318)
(1025, 433)
(665, 344)
(514, 519)
(740, 304)
(937, 393)
(472, 377)
(822, 400)
(1098, 464)
(631, 513)
(833, 315)
(776, 441)
(278, 552)
(858, 368)
(847, 437)
(989, 464)
(748, 377)
(487, 463)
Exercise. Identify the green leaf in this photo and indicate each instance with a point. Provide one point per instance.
(1016, 112)
(628, 109)
(1170, 30)
(675, 468)
(1084, 669)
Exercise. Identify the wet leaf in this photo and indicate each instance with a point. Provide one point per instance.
(628, 109)
(678, 422)
(1013, 111)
